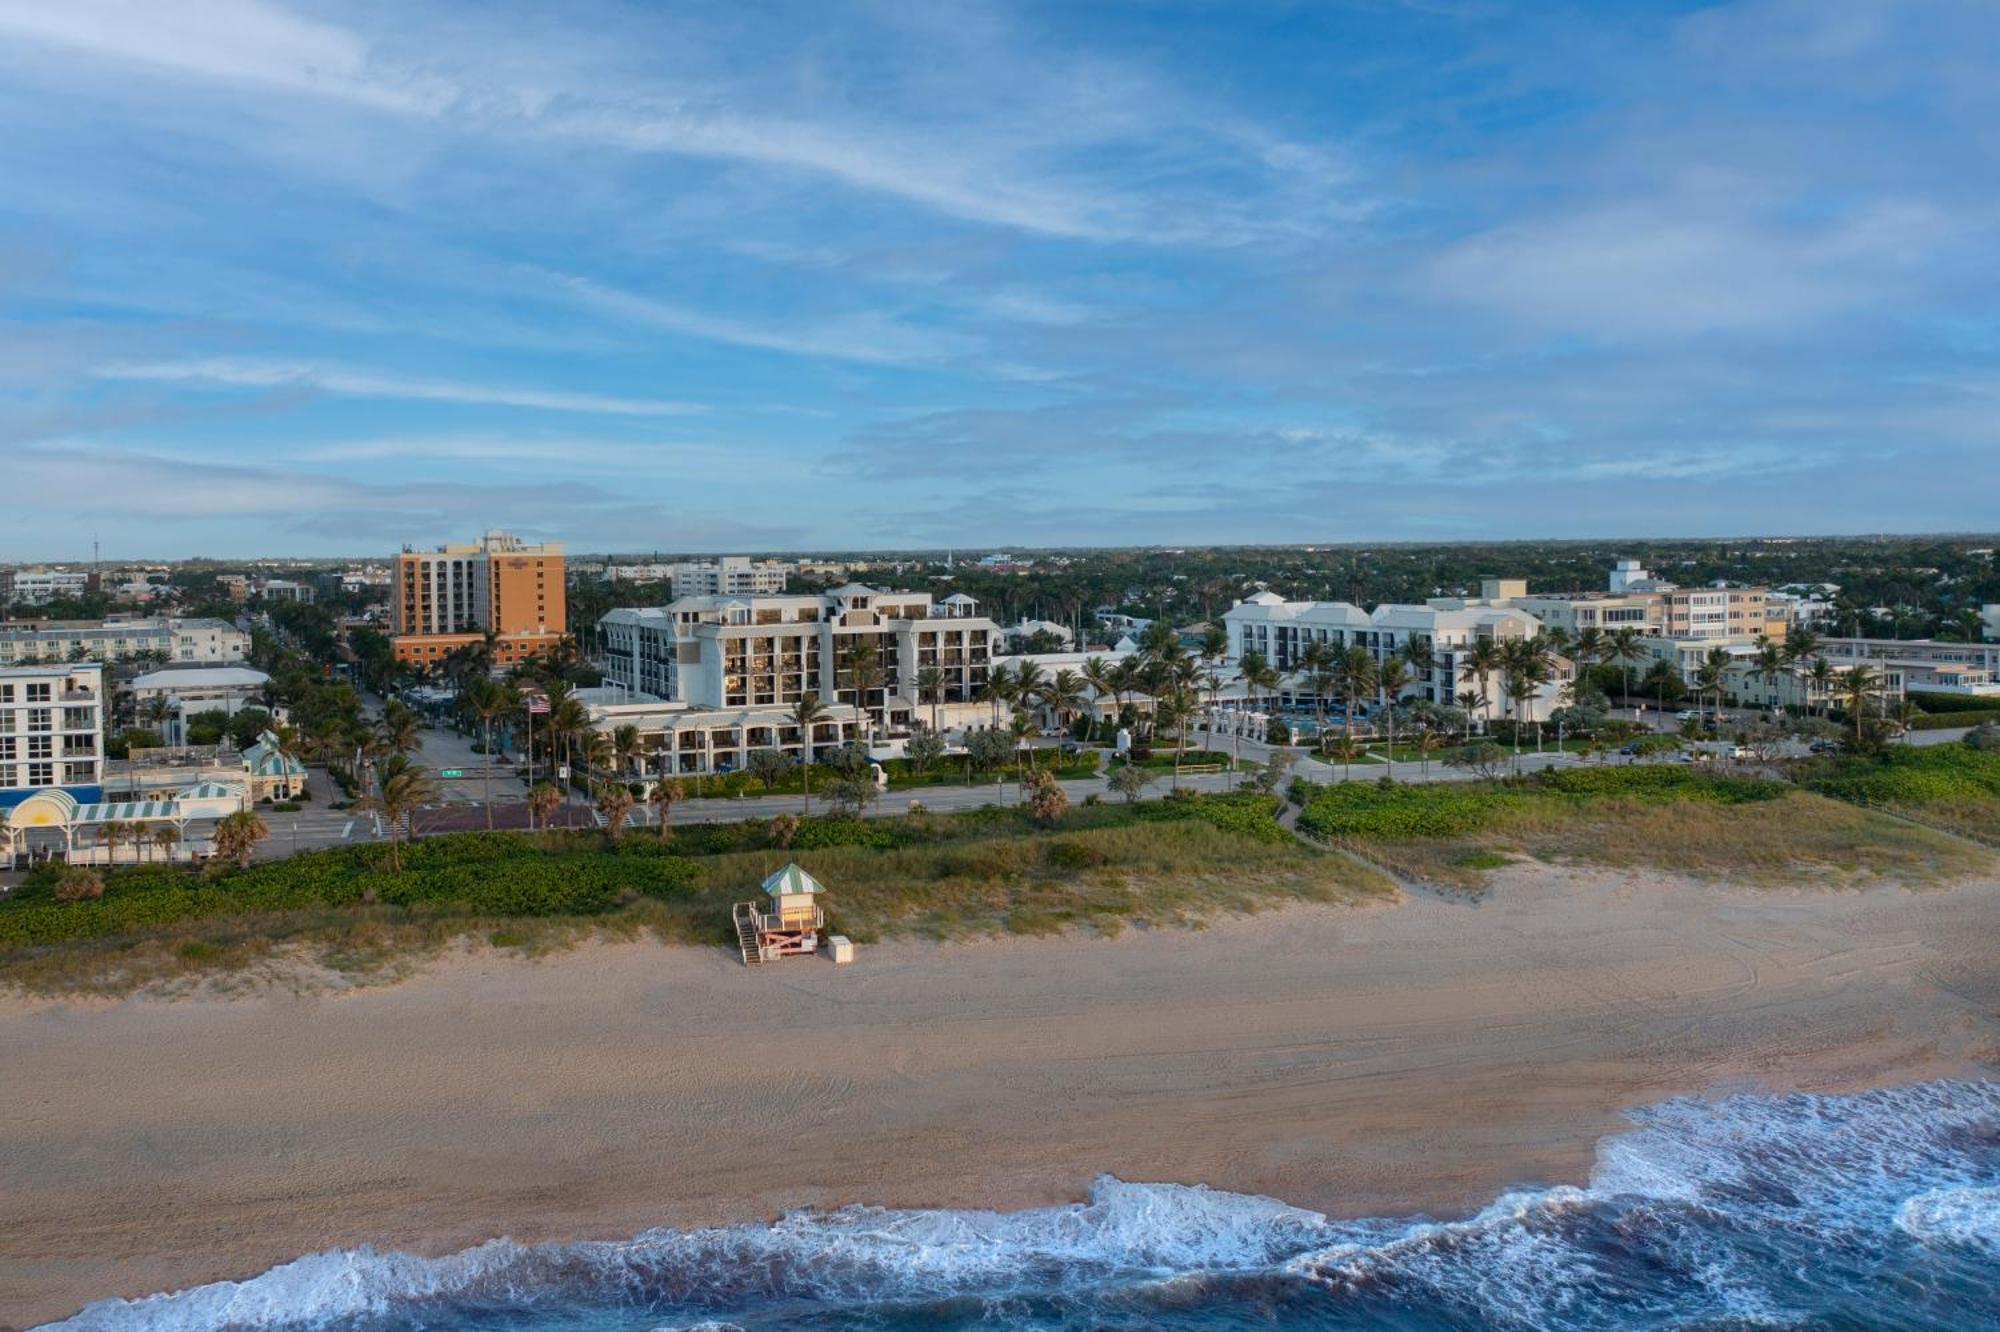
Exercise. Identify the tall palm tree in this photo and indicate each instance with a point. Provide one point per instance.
(399, 729)
(1392, 679)
(110, 833)
(400, 787)
(1859, 686)
(626, 747)
(1102, 677)
(1588, 649)
(166, 837)
(1358, 673)
(1821, 674)
(1771, 665)
(807, 714)
(489, 700)
(1176, 710)
(1799, 645)
(930, 688)
(1258, 675)
(1316, 663)
(1421, 653)
(1623, 650)
(1063, 694)
(998, 689)
(865, 675)
(1481, 660)
(1712, 675)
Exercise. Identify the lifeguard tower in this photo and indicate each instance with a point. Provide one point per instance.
(792, 924)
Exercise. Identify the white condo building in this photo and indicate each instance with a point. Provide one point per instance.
(182, 640)
(51, 729)
(714, 677)
(1280, 630)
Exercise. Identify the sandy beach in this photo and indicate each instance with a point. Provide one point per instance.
(1421, 1056)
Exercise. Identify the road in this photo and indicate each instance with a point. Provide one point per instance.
(461, 804)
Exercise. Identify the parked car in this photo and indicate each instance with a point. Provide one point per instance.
(1825, 746)
(1072, 746)
(1742, 753)
(1687, 714)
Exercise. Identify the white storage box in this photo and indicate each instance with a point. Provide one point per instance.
(841, 949)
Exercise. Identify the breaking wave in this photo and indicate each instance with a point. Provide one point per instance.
(1879, 1209)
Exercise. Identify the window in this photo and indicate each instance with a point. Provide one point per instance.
(39, 719)
(41, 746)
(8, 753)
(41, 774)
(79, 772)
(6, 693)
(40, 693)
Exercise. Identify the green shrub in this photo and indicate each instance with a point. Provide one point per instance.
(1930, 701)
(1354, 809)
(1655, 780)
(1909, 776)
(1947, 721)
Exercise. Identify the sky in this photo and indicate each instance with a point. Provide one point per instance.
(287, 277)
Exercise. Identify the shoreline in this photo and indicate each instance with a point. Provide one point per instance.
(1417, 1057)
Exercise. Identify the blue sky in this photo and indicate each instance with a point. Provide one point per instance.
(281, 276)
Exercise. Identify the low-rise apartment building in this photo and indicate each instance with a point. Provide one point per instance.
(730, 576)
(1281, 630)
(51, 730)
(178, 640)
(1926, 664)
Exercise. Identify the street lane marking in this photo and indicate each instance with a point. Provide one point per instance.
(346, 829)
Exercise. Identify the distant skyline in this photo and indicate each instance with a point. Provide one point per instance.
(318, 278)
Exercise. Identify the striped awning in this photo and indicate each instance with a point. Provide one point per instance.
(126, 811)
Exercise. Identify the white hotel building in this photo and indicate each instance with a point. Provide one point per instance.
(51, 730)
(713, 678)
(182, 640)
(1281, 629)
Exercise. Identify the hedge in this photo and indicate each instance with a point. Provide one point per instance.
(1930, 701)
(1946, 721)
(1911, 776)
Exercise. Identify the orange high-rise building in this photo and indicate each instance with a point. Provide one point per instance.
(447, 598)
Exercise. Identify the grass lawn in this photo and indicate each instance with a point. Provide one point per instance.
(1651, 817)
(1162, 760)
(1179, 861)
(1953, 787)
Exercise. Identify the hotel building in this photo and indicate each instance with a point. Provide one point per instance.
(712, 678)
(51, 730)
(456, 595)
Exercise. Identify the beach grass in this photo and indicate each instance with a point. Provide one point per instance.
(1739, 829)
(1099, 869)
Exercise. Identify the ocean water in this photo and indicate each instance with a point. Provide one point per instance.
(1879, 1210)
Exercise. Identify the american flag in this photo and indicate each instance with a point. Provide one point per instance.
(538, 705)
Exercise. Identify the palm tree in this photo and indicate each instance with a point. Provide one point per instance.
(565, 721)
(1028, 683)
(236, 835)
(865, 675)
(400, 787)
(1771, 664)
(998, 689)
(1623, 650)
(930, 689)
(1470, 701)
(1821, 674)
(1358, 673)
(1421, 653)
(1176, 711)
(1063, 694)
(1859, 686)
(806, 714)
(1712, 675)
(543, 801)
(1588, 648)
(666, 793)
(614, 805)
(1800, 644)
(1102, 677)
(399, 729)
(1317, 664)
(489, 700)
(1258, 675)
(111, 833)
(166, 837)
(1480, 661)
(1392, 679)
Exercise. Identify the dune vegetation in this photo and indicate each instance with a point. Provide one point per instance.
(1100, 868)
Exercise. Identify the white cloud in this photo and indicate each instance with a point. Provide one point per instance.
(368, 384)
(240, 41)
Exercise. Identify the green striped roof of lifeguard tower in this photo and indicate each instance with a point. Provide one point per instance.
(791, 879)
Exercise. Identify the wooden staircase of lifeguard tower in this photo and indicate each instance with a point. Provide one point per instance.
(746, 934)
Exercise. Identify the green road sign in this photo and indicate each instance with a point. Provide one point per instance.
(452, 772)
